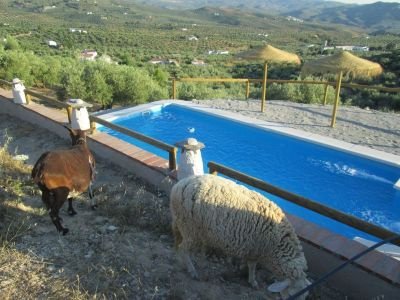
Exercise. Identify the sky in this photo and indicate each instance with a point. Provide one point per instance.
(365, 1)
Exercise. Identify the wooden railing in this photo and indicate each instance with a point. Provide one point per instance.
(264, 81)
(172, 151)
(331, 213)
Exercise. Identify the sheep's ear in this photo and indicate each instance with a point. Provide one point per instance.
(279, 286)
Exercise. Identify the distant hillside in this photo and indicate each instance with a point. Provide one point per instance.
(378, 16)
(270, 6)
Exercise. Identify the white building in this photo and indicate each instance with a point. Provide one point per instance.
(198, 62)
(193, 38)
(88, 55)
(52, 44)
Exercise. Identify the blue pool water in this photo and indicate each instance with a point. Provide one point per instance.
(346, 182)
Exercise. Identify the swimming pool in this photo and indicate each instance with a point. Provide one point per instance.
(345, 181)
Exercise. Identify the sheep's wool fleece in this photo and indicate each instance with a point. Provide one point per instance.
(213, 211)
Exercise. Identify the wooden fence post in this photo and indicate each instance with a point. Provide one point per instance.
(264, 88)
(247, 89)
(173, 88)
(92, 127)
(338, 85)
(28, 98)
(325, 93)
(69, 113)
(172, 159)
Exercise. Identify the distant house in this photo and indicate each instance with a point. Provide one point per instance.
(193, 38)
(294, 19)
(361, 48)
(184, 29)
(198, 62)
(77, 30)
(157, 61)
(46, 8)
(353, 48)
(162, 61)
(218, 52)
(345, 48)
(52, 44)
(88, 54)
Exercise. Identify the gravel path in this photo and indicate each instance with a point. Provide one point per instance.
(374, 129)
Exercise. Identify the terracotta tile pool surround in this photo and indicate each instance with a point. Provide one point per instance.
(376, 263)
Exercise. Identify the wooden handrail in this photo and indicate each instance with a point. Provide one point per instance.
(5, 82)
(47, 98)
(321, 209)
(199, 79)
(172, 151)
(149, 140)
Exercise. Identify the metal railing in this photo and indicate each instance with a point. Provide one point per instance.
(321, 209)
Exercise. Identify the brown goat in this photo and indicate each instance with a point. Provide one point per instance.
(59, 172)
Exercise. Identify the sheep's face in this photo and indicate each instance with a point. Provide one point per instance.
(288, 287)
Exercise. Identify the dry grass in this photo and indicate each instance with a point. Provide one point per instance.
(134, 206)
(22, 275)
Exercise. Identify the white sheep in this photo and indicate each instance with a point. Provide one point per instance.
(211, 211)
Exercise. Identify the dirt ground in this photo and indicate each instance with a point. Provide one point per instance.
(123, 250)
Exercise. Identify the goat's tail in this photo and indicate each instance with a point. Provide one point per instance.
(36, 174)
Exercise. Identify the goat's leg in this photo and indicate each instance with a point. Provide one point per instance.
(71, 210)
(47, 198)
(60, 196)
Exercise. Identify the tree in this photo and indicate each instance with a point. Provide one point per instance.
(11, 43)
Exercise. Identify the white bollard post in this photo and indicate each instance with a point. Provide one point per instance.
(190, 161)
(79, 115)
(18, 90)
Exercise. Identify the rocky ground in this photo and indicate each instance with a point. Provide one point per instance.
(124, 250)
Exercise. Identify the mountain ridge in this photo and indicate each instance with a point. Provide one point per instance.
(379, 16)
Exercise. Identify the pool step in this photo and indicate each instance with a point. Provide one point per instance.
(388, 249)
(397, 184)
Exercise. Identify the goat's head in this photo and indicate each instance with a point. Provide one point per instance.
(77, 136)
